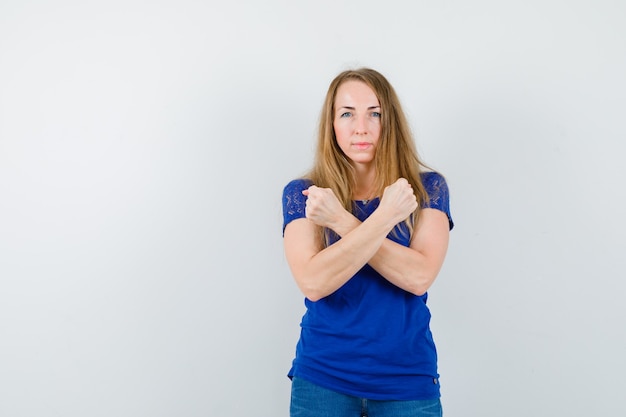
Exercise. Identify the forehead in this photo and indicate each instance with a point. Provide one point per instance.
(355, 91)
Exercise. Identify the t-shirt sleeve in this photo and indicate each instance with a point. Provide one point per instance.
(294, 202)
(438, 194)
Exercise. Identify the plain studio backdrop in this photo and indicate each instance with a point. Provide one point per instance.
(144, 146)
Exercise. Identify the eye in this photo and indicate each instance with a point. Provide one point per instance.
(375, 114)
(346, 114)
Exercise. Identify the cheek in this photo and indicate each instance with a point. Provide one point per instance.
(340, 133)
(376, 129)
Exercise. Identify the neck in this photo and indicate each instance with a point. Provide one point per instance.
(364, 189)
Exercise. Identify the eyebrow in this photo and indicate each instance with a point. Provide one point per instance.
(353, 108)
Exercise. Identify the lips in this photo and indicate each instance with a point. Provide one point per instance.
(362, 145)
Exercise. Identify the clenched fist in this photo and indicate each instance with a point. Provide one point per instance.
(322, 206)
(398, 200)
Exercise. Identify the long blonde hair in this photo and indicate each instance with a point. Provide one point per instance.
(396, 155)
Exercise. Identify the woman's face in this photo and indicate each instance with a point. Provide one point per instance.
(357, 121)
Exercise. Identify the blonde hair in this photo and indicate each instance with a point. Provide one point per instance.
(396, 155)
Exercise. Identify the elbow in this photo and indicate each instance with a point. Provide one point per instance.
(420, 284)
(311, 291)
(313, 295)
(418, 290)
(312, 284)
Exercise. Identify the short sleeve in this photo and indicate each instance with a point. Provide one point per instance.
(438, 193)
(294, 202)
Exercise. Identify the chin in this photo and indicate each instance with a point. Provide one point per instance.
(362, 161)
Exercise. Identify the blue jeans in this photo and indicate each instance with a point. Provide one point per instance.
(310, 400)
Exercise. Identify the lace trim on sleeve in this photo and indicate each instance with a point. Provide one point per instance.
(438, 193)
(294, 203)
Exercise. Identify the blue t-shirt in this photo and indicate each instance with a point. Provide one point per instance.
(369, 338)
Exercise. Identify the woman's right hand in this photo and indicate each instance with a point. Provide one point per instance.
(323, 208)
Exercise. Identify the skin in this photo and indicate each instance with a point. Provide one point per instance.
(357, 129)
(320, 271)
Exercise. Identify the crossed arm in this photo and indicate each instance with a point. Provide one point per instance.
(320, 271)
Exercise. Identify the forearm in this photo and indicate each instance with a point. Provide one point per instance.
(330, 268)
(321, 271)
(403, 266)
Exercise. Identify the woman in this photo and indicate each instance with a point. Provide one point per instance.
(365, 234)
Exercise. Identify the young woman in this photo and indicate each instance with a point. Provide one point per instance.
(365, 234)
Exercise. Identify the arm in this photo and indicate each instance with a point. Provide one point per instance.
(412, 268)
(321, 271)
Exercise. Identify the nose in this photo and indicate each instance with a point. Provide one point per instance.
(360, 127)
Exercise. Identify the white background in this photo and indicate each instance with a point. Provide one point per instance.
(143, 150)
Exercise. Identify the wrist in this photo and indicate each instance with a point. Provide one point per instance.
(345, 224)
